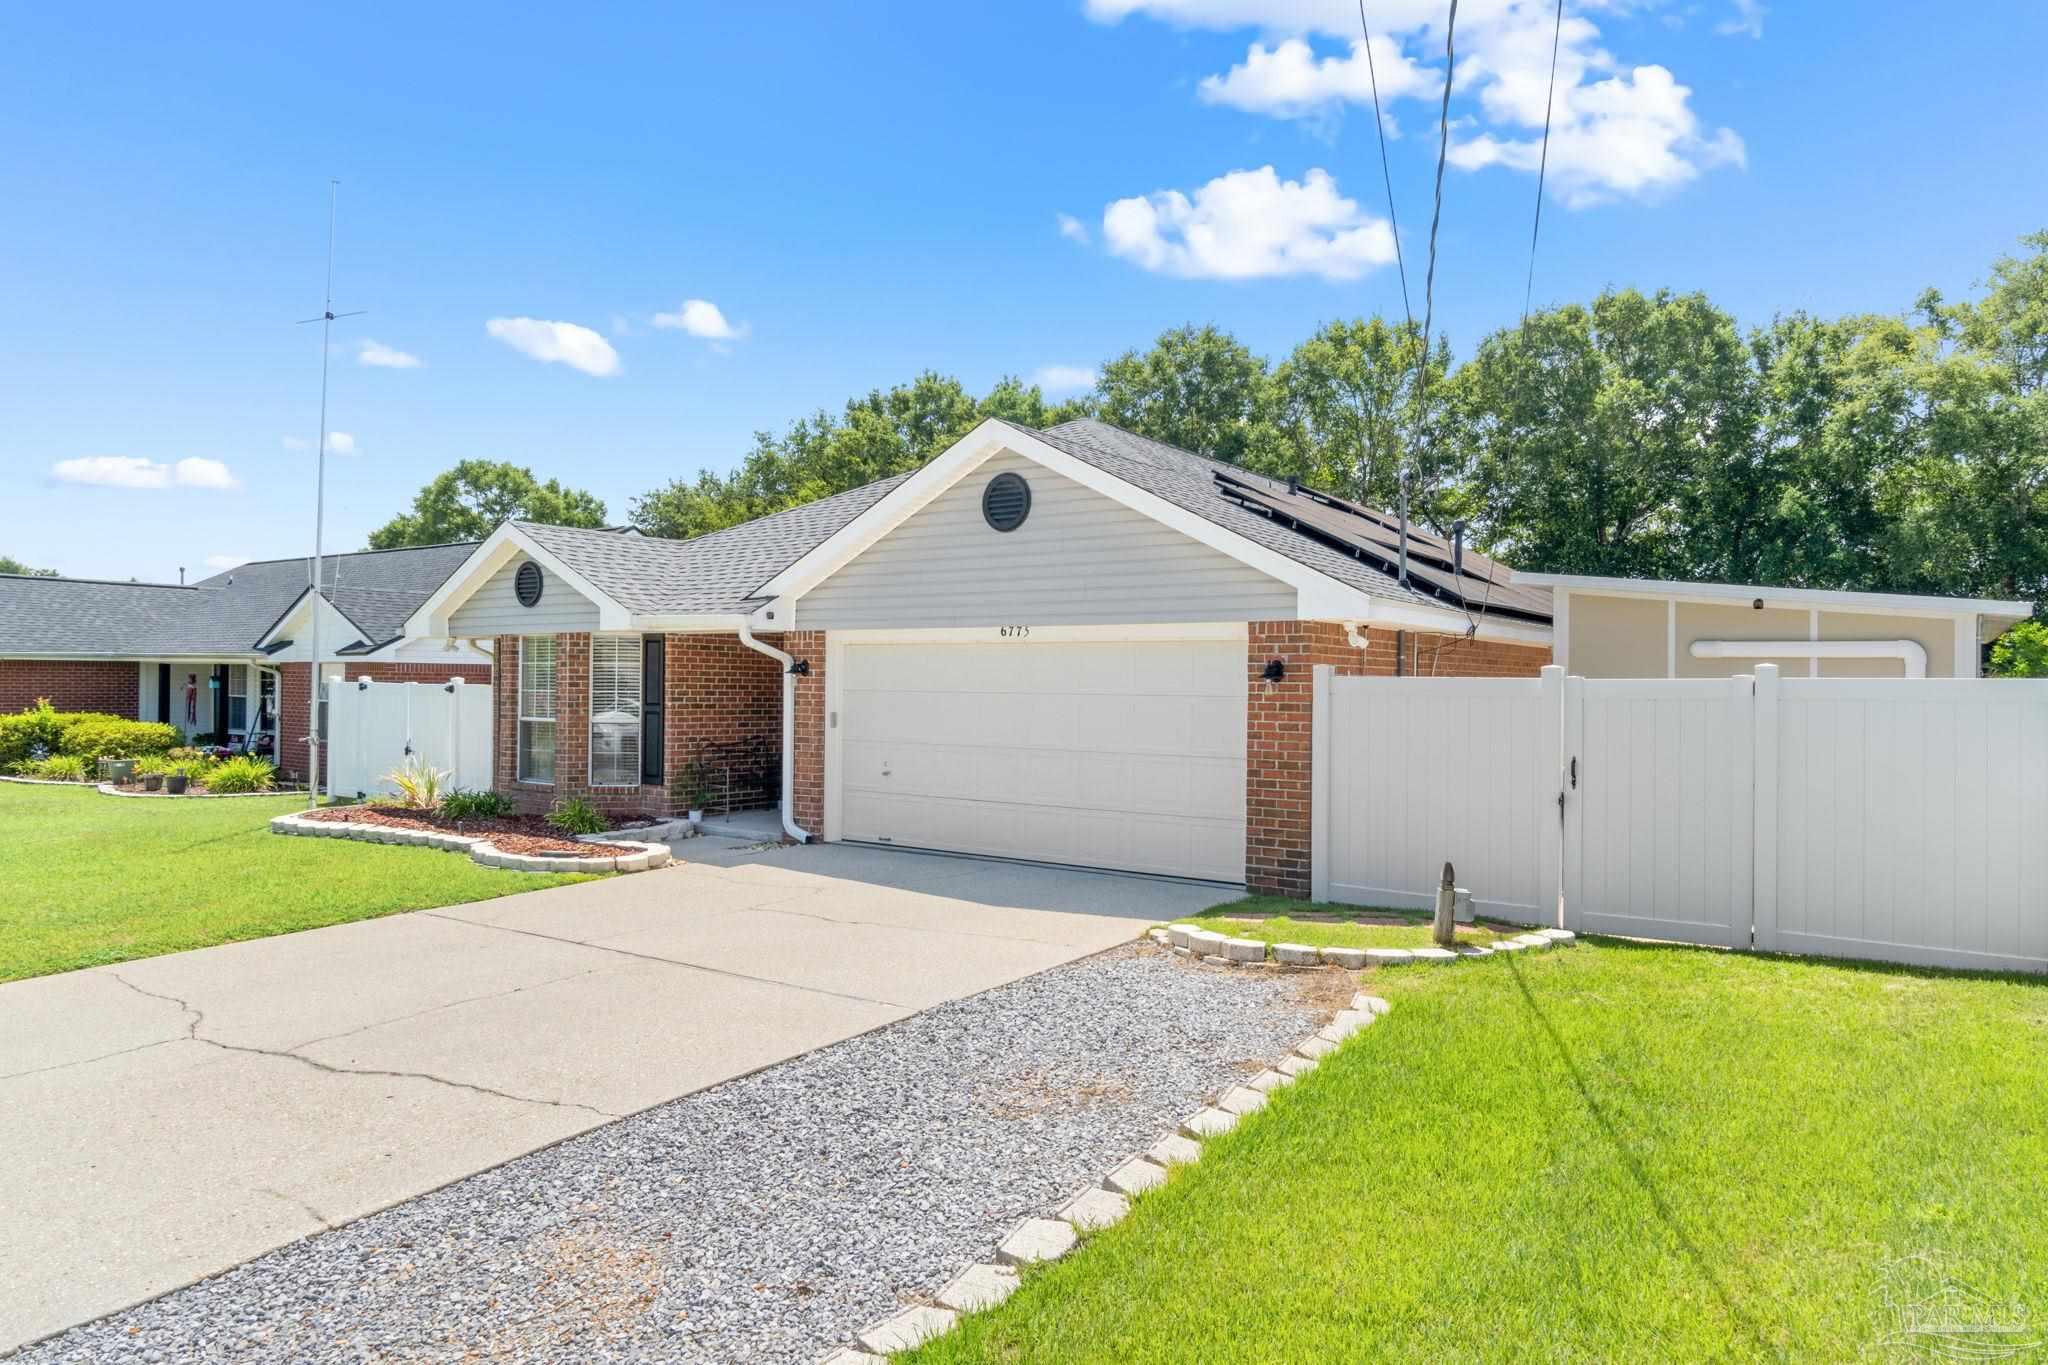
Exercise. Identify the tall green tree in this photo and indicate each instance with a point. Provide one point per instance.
(469, 501)
(9, 564)
(1200, 389)
(883, 433)
(1352, 402)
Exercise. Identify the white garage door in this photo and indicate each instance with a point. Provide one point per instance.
(1102, 754)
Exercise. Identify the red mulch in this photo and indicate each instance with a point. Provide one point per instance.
(509, 834)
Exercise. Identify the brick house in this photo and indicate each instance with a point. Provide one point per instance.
(229, 656)
(1075, 645)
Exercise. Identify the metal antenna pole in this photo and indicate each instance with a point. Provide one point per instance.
(326, 321)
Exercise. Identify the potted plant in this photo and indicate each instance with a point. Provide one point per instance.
(152, 781)
(693, 788)
(175, 783)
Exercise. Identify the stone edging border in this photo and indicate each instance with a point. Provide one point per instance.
(1221, 950)
(646, 856)
(109, 789)
(987, 1284)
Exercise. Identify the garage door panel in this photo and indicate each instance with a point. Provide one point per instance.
(1110, 754)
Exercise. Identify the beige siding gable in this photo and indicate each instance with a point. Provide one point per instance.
(494, 609)
(1080, 558)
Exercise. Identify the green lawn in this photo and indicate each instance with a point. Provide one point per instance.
(1596, 1153)
(87, 879)
(1271, 921)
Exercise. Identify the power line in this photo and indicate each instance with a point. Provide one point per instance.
(1543, 165)
(1443, 146)
(1386, 175)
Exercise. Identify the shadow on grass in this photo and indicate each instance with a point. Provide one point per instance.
(1848, 964)
(1638, 1172)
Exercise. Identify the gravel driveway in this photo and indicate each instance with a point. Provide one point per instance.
(765, 1219)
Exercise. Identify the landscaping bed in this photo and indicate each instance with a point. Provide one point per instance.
(529, 834)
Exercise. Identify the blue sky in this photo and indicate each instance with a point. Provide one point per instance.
(862, 192)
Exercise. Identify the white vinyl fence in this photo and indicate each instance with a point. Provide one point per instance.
(1904, 820)
(374, 727)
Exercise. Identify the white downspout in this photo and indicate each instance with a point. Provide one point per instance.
(789, 824)
(1910, 653)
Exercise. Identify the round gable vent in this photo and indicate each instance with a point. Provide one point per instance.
(527, 583)
(1006, 501)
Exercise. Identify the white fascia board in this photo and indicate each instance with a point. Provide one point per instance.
(1825, 598)
(336, 630)
(691, 623)
(501, 547)
(1218, 631)
(1318, 597)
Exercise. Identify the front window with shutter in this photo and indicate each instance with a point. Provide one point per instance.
(615, 680)
(537, 708)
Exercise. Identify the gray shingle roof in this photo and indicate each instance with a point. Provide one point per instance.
(225, 614)
(720, 572)
(1188, 481)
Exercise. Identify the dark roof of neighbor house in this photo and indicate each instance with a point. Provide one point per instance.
(725, 571)
(225, 614)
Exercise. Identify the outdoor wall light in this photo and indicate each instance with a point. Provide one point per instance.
(801, 668)
(1276, 669)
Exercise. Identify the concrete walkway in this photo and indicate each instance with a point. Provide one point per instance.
(163, 1120)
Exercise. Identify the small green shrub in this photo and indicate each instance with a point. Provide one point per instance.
(153, 763)
(244, 774)
(56, 768)
(31, 734)
(2021, 652)
(419, 785)
(94, 737)
(194, 764)
(575, 815)
(462, 805)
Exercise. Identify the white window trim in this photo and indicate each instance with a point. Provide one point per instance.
(521, 720)
(590, 718)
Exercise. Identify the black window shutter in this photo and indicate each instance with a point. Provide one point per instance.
(163, 692)
(653, 676)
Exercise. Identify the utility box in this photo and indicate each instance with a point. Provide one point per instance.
(1461, 905)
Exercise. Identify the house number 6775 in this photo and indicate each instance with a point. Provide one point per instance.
(1014, 632)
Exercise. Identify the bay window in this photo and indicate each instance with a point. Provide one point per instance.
(615, 696)
(536, 757)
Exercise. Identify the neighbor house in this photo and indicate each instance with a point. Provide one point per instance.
(229, 656)
(1074, 645)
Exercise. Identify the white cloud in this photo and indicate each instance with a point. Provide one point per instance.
(1288, 80)
(700, 318)
(1063, 378)
(1616, 130)
(1250, 224)
(564, 343)
(1631, 134)
(1072, 228)
(219, 563)
(1748, 21)
(133, 471)
(376, 353)
(198, 473)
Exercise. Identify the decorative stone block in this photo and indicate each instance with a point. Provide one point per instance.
(847, 1355)
(1296, 1066)
(908, 1329)
(1351, 959)
(1183, 952)
(1266, 1082)
(1473, 950)
(658, 856)
(1214, 961)
(1039, 1239)
(1209, 1123)
(1159, 936)
(1174, 1150)
(1244, 949)
(1371, 1004)
(1315, 1049)
(1532, 940)
(1242, 1099)
(1345, 1024)
(1206, 941)
(1436, 955)
(1509, 945)
(1177, 934)
(1381, 957)
(1297, 955)
(980, 1286)
(1559, 935)
(634, 862)
(1094, 1209)
(1135, 1177)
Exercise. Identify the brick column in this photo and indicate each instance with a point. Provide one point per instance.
(807, 777)
(720, 692)
(1278, 753)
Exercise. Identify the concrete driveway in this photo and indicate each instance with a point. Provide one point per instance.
(163, 1120)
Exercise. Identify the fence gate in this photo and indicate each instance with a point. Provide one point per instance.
(1411, 772)
(374, 727)
(1658, 808)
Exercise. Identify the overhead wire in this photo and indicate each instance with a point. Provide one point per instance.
(1386, 173)
(1543, 163)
